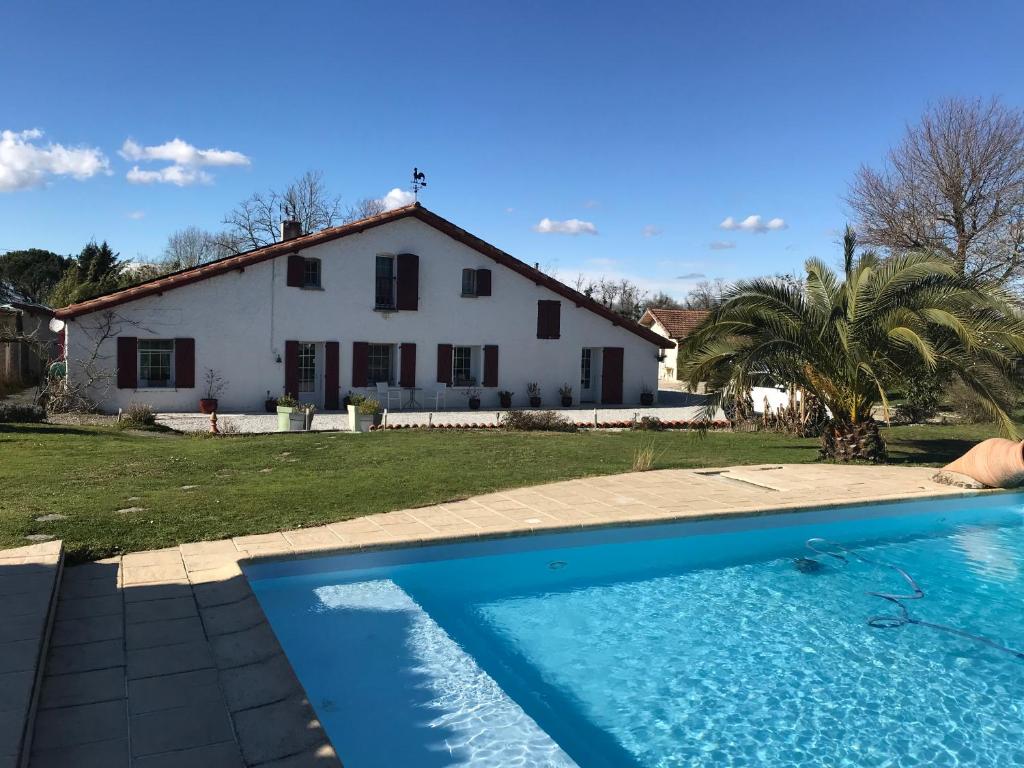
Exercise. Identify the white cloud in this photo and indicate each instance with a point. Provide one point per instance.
(179, 175)
(601, 261)
(182, 153)
(24, 163)
(592, 204)
(397, 198)
(753, 224)
(568, 227)
(136, 215)
(187, 162)
(651, 231)
(721, 245)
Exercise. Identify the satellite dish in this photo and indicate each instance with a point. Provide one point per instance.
(56, 325)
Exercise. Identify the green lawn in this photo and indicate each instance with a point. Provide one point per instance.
(266, 483)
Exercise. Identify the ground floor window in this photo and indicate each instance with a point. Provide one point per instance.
(307, 367)
(156, 363)
(585, 369)
(381, 363)
(462, 367)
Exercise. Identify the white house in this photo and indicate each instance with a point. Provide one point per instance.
(404, 297)
(673, 325)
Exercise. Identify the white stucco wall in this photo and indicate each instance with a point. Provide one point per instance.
(667, 367)
(240, 321)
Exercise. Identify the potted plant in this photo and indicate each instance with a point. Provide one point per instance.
(505, 398)
(270, 404)
(566, 392)
(215, 384)
(533, 392)
(646, 395)
(474, 398)
(363, 412)
(287, 406)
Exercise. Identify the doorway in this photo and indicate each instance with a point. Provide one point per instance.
(311, 377)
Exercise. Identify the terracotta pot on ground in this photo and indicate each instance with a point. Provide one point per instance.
(535, 402)
(207, 405)
(506, 401)
(646, 398)
(270, 405)
(474, 403)
(566, 401)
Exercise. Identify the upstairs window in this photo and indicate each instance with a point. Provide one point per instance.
(156, 363)
(311, 273)
(380, 364)
(469, 282)
(385, 283)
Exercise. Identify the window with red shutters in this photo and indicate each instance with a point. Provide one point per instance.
(444, 364)
(185, 363)
(490, 365)
(360, 363)
(407, 365)
(127, 362)
(407, 268)
(296, 271)
(548, 319)
(483, 282)
(291, 368)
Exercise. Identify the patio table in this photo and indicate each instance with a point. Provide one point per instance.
(413, 403)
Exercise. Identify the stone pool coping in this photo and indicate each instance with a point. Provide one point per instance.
(166, 655)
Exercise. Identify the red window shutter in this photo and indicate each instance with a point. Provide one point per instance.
(611, 375)
(185, 363)
(332, 374)
(296, 271)
(548, 319)
(483, 282)
(408, 365)
(408, 269)
(291, 368)
(491, 365)
(127, 362)
(444, 364)
(360, 363)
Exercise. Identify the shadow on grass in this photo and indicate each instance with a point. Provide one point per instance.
(939, 451)
(39, 429)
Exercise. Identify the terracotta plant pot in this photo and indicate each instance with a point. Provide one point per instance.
(646, 398)
(996, 462)
(505, 400)
(535, 402)
(270, 406)
(474, 403)
(566, 401)
(207, 405)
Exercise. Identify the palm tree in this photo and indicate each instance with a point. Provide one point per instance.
(847, 340)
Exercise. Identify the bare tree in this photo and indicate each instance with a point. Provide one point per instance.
(663, 301)
(706, 294)
(622, 296)
(955, 185)
(364, 209)
(190, 247)
(257, 220)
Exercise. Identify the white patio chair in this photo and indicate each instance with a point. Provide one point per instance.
(439, 396)
(386, 393)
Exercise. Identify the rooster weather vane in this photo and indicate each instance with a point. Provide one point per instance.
(419, 181)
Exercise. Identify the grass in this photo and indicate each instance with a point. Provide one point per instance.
(257, 484)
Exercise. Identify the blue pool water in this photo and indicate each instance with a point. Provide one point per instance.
(690, 644)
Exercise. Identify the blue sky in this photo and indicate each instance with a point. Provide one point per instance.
(652, 122)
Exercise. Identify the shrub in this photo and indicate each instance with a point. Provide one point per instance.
(649, 424)
(25, 414)
(137, 416)
(535, 421)
(368, 406)
(287, 401)
(922, 393)
(968, 406)
(644, 457)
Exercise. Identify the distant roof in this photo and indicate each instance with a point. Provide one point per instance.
(679, 323)
(417, 211)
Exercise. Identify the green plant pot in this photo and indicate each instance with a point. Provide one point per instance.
(284, 415)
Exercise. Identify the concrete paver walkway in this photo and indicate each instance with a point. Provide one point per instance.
(165, 658)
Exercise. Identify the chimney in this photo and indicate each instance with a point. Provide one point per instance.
(290, 229)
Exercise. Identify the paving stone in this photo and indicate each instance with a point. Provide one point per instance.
(82, 688)
(167, 660)
(12, 724)
(246, 647)
(169, 691)
(160, 610)
(24, 605)
(22, 627)
(19, 655)
(89, 588)
(100, 754)
(232, 617)
(88, 630)
(224, 755)
(169, 556)
(32, 582)
(277, 730)
(135, 593)
(322, 756)
(182, 728)
(152, 634)
(256, 685)
(69, 726)
(83, 608)
(147, 574)
(221, 592)
(97, 570)
(87, 656)
(16, 690)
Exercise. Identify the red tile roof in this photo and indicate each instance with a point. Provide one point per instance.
(240, 261)
(679, 323)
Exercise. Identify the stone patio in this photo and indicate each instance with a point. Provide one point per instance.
(165, 658)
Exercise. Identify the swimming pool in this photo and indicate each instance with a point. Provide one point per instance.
(713, 643)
